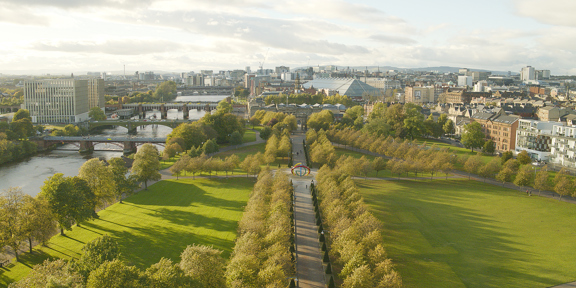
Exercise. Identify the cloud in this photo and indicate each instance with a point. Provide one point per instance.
(554, 12)
(393, 39)
(113, 47)
(23, 16)
(296, 35)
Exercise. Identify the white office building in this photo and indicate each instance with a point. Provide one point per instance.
(57, 100)
(528, 73)
(465, 81)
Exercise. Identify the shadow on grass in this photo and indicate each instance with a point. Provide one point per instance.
(424, 230)
(175, 193)
(144, 246)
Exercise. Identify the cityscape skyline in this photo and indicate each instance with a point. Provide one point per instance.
(76, 36)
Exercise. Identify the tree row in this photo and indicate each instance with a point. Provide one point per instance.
(262, 254)
(354, 234)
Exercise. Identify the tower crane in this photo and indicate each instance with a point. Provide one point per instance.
(264, 60)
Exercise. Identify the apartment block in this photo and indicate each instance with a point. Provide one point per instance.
(499, 128)
(96, 93)
(57, 100)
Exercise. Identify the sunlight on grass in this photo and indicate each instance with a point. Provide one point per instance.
(460, 233)
(156, 223)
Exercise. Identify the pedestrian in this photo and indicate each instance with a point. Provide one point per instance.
(306, 186)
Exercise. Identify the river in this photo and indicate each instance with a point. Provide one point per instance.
(31, 173)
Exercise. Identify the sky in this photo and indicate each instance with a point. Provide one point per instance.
(76, 36)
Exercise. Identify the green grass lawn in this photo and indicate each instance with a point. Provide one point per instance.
(249, 136)
(460, 233)
(156, 223)
(459, 151)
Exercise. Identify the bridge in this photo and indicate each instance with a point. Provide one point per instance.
(141, 109)
(9, 108)
(131, 125)
(87, 143)
(206, 90)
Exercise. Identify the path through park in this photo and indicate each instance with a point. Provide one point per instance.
(309, 269)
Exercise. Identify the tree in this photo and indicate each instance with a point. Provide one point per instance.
(490, 169)
(224, 107)
(524, 177)
(564, 185)
(195, 165)
(265, 133)
(193, 135)
(320, 120)
(210, 147)
(70, 200)
(21, 114)
(489, 147)
(523, 157)
(290, 122)
(55, 273)
(95, 253)
(100, 180)
(377, 127)
(146, 164)
(38, 223)
(166, 274)
(204, 264)
(22, 128)
(12, 219)
(473, 164)
(180, 165)
(97, 114)
(541, 181)
(361, 277)
(231, 163)
(505, 175)
(166, 91)
(224, 124)
(473, 137)
(236, 138)
(506, 156)
(378, 164)
(115, 274)
(123, 185)
(254, 121)
(448, 127)
(71, 130)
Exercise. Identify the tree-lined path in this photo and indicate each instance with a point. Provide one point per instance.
(309, 269)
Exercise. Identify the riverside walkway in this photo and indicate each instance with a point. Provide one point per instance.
(309, 269)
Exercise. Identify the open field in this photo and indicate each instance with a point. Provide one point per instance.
(156, 223)
(460, 233)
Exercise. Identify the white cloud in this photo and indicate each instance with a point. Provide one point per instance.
(555, 12)
(114, 47)
(393, 39)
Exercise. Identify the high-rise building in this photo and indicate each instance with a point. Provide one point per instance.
(542, 74)
(96, 93)
(465, 81)
(527, 73)
(57, 100)
(281, 69)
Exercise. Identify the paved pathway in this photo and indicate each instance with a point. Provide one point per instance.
(309, 269)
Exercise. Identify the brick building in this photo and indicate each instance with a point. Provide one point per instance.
(498, 127)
